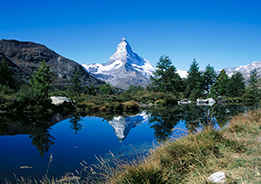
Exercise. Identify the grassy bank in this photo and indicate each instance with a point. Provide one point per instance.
(235, 150)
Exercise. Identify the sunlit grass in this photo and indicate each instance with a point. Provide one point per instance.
(235, 150)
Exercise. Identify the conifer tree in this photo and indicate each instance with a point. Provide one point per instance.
(221, 84)
(6, 75)
(106, 89)
(165, 77)
(209, 77)
(75, 88)
(40, 82)
(253, 87)
(236, 85)
(194, 82)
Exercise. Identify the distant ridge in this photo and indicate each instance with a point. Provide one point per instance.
(25, 58)
(245, 70)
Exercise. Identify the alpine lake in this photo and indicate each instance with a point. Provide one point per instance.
(35, 145)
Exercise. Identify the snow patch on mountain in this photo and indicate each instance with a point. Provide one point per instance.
(245, 70)
(124, 68)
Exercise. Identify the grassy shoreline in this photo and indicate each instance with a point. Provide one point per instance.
(236, 151)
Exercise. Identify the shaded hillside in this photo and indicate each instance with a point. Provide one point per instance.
(27, 56)
(19, 75)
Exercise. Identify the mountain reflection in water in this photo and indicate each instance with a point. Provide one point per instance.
(80, 136)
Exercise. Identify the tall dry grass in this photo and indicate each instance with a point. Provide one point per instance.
(235, 150)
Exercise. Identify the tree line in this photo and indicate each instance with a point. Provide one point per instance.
(202, 83)
(165, 85)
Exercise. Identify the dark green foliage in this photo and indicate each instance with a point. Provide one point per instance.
(75, 88)
(209, 77)
(248, 96)
(91, 90)
(253, 87)
(132, 90)
(106, 89)
(221, 84)
(194, 82)
(40, 82)
(6, 76)
(236, 85)
(6, 90)
(166, 79)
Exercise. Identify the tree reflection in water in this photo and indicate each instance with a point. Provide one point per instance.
(162, 121)
(36, 125)
(195, 117)
(75, 122)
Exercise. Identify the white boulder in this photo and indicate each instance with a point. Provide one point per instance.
(218, 177)
(59, 100)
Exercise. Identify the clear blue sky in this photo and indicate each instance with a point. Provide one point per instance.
(223, 33)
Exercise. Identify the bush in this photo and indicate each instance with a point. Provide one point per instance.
(131, 106)
(87, 106)
(159, 95)
(6, 90)
(248, 96)
(170, 99)
(116, 106)
(160, 102)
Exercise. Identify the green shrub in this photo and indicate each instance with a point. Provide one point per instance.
(248, 97)
(131, 106)
(6, 90)
(160, 102)
(170, 99)
(116, 106)
(158, 95)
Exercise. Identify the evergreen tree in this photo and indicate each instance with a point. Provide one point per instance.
(6, 75)
(194, 82)
(40, 82)
(165, 77)
(75, 88)
(253, 87)
(209, 77)
(221, 84)
(106, 89)
(236, 85)
(91, 90)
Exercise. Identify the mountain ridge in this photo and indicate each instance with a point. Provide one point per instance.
(27, 56)
(124, 68)
(245, 69)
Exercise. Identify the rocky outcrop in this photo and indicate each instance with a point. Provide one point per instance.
(26, 57)
(59, 100)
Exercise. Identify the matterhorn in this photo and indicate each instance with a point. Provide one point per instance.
(124, 68)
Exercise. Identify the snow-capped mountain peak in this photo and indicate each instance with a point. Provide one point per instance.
(124, 68)
(122, 50)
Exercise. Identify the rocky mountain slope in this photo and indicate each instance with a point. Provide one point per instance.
(124, 68)
(25, 58)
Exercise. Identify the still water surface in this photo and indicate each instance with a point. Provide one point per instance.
(29, 140)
